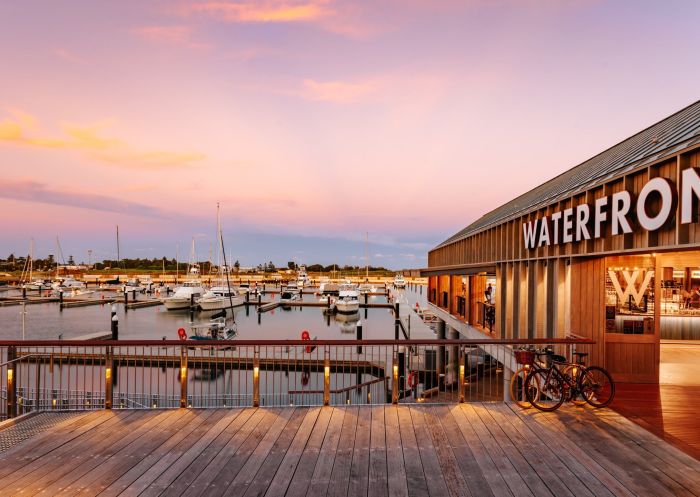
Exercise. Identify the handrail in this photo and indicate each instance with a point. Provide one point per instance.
(22, 358)
(295, 342)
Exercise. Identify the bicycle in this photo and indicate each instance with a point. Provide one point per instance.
(525, 358)
(546, 388)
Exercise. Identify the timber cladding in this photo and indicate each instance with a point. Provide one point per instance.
(635, 204)
(505, 241)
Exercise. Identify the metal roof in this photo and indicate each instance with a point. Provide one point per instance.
(678, 131)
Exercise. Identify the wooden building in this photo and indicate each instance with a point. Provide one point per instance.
(609, 250)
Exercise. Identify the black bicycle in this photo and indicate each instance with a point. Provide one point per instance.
(548, 387)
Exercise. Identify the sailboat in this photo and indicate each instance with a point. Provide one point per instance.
(221, 295)
(30, 283)
(189, 292)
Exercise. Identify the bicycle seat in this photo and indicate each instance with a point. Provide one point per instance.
(559, 358)
(581, 354)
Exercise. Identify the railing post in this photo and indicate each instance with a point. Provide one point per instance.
(256, 376)
(11, 383)
(394, 378)
(108, 378)
(326, 377)
(461, 360)
(183, 377)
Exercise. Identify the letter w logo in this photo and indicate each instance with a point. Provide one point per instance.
(631, 280)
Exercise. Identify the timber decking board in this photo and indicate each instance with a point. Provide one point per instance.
(459, 449)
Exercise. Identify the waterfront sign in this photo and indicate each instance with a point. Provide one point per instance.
(621, 211)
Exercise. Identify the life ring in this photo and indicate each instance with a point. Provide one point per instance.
(412, 380)
(182, 333)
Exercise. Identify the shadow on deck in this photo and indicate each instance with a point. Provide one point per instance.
(459, 449)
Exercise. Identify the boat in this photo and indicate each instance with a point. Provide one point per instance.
(66, 283)
(244, 288)
(216, 329)
(184, 296)
(30, 282)
(348, 299)
(133, 285)
(327, 287)
(399, 282)
(303, 278)
(289, 295)
(220, 297)
(222, 294)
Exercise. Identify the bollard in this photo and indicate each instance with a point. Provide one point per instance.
(133, 295)
(115, 327)
(108, 378)
(359, 336)
(183, 377)
(259, 299)
(24, 292)
(11, 383)
(256, 377)
(396, 321)
(327, 378)
(126, 299)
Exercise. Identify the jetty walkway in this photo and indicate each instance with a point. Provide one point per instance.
(476, 449)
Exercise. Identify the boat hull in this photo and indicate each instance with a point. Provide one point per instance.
(175, 303)
(347, 307)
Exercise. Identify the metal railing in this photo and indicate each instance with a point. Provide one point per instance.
(79, 375)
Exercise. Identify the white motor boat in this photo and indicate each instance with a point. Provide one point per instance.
(37, 284)
(348, 299)
(184, 296)
(303, 278)
(67, 284)
(399, 282)
(367, 288)
(133, 285)
(220, 297)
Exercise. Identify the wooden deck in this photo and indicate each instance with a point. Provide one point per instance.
(469, 449)
(668, 411)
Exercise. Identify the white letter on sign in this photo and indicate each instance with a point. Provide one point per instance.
(666, 191)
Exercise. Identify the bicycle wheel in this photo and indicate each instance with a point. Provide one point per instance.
(548, 387)
(596, 386)
(517, 388)
(574, 371)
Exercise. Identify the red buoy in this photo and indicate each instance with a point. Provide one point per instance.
(182, 333)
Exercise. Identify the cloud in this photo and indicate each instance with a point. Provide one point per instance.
(22, 129)
(344, 18)
(169, 35)
(68, 56)
(260, 11)
(29, 190)
(336, 91)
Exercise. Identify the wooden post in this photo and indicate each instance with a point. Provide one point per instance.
(11, 382)
(108, 378)
(183, 377)
(461, 360)
(394, 379)
(326, 378)
(256, 377)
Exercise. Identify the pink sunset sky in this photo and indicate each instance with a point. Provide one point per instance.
(314, 121)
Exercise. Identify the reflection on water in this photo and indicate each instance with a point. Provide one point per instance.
(49, 322)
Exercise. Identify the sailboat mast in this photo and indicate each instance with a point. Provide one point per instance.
(31, 259)
(119, 260)
(366, 258)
